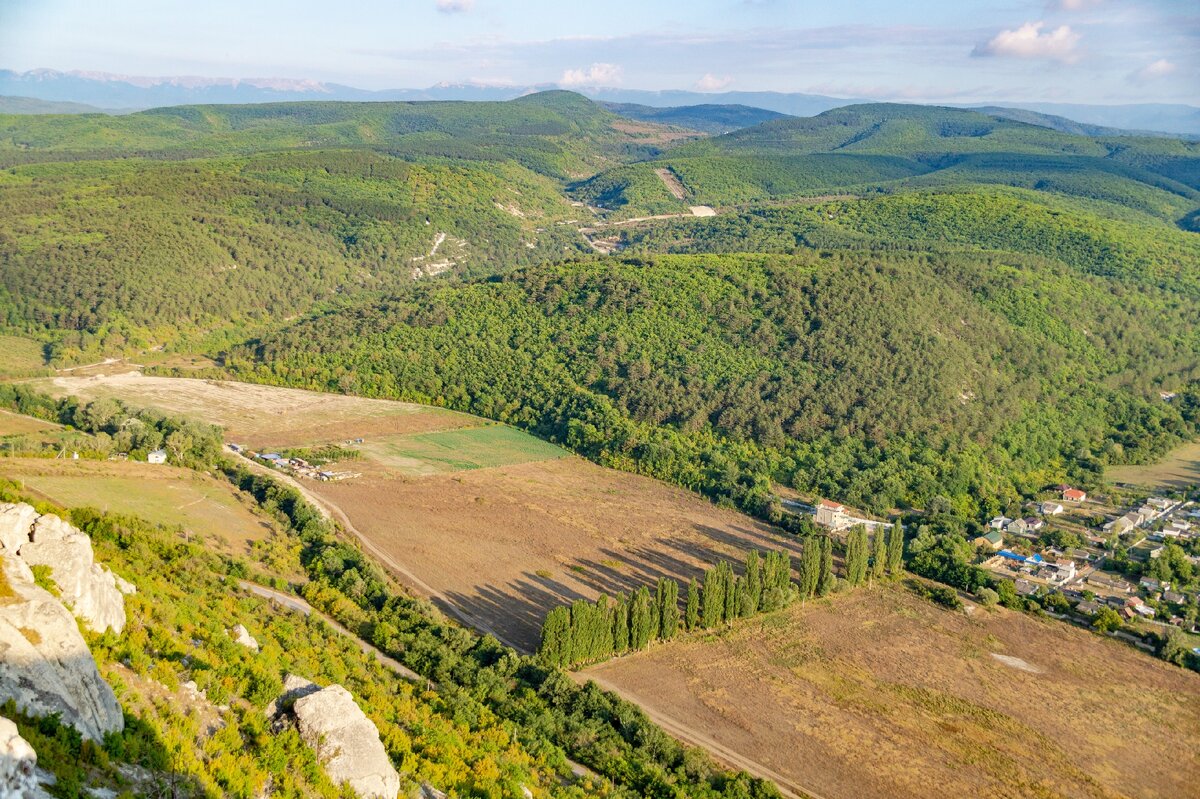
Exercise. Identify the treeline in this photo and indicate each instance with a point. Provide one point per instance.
(478, 676)
(118, 428)
(587, 632)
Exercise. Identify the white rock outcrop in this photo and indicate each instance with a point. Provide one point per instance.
(45, 665)
(89, 589)
(242, 636)
(16, 523)
(346, 742)
(18, 765)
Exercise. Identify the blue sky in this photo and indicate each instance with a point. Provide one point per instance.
(1099, 51)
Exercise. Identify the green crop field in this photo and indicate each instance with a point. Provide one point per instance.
(20, 356)
(460, 450)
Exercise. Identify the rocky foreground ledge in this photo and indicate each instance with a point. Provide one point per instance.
(45, 664)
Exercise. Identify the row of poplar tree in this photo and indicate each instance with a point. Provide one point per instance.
(588, 632)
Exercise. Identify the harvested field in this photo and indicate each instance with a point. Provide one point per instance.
(505, 544)
(879, 693)
(1179, 469)
(163, 494)
(264, 415)
(495, 525)
(14, 424)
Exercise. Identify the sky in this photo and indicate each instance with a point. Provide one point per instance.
(1081, 51)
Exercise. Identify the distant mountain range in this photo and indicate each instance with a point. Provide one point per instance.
(125, 92)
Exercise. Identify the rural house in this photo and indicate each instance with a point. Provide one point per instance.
(157, 456)
(1051, 508)
(1073, 495)
(992, 539)
(831, 514)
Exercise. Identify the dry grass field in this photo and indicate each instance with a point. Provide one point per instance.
(260, 416)
(163, 494)
(14, 424)
(1180, 469)
(494, 525)
(879, 693)
(505, 544)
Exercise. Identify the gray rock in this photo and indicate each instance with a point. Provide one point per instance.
(18, 765)
(242, 636)
(86, 587)
(16, 523)
(429, 792)
(45, 665)
(346, 742)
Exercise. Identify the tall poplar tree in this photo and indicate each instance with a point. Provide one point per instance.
(826, 581)
(692, 614)
(879, 554)
(896, 548)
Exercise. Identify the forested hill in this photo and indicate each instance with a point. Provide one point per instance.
(708, 118)
(129, 231)
(555, 133)
(884, 377)
(890, 147)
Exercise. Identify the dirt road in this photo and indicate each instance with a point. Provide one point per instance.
(694, 737)
(300, 606)
(332, 512)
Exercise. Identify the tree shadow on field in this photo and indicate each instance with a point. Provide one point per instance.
(516, 610)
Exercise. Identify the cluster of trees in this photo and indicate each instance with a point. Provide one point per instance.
(874, 557)
(115, 427)
(587, 632)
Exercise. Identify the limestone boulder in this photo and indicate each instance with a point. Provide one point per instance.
(45, 665)
(18, 765)
(346, 742)
(90, 590)
(16, 525)
(243, 637)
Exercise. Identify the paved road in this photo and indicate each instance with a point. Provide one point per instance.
(300, 606)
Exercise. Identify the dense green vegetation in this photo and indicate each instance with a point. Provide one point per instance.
(706, 118)
(588, 632)
(881, 378)
(871, 148)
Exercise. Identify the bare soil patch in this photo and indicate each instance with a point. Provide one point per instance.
(506, 544)
(672, 182)
(881, 694)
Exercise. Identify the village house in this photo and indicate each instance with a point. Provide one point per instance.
(1025, 588)
(1034, 524)
(831, 514)
(1150, 585)
(157, 456)
(1174, 597)
(1050, 508)
(999, 522)
(1088, 607)
(1017, 526)
(1073, 494)
(1064, 571)
(1159, 503)
(1107, 582)
(992, 539)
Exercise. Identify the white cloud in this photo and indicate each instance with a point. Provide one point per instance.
(713, 83)
(1028, 41)
(596, 75)
(1158, 69)
(455, 6)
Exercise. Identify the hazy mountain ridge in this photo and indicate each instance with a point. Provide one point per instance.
(121, 91)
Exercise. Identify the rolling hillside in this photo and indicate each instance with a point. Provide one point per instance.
(866, 148)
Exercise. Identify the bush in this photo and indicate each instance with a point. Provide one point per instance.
(987, 597)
